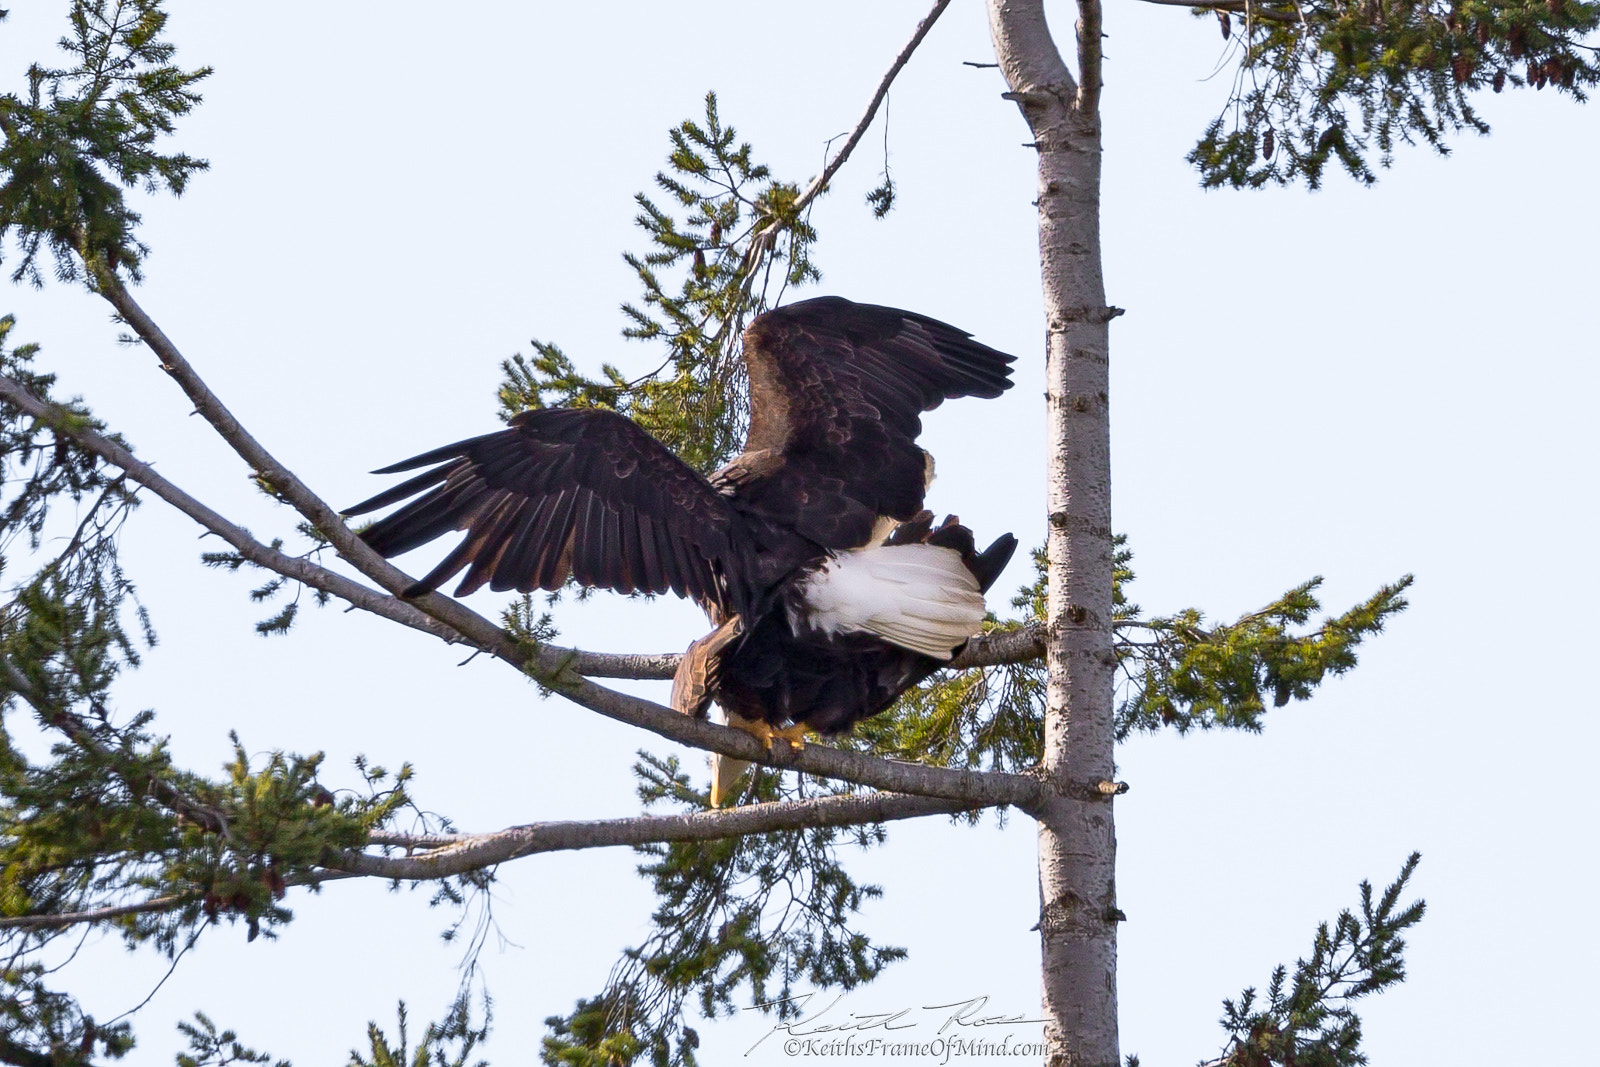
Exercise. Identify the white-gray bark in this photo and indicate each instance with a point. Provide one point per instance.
(1077, 841)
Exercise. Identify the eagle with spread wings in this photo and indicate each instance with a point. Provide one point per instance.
(831, 590)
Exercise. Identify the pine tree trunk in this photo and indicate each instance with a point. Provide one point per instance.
(1077, 839)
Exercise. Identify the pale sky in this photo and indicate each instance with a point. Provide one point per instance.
(1357, 383)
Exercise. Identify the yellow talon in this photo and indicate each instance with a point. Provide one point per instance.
(725, 770)
(764, 732)
(756, 729)
(795, 735)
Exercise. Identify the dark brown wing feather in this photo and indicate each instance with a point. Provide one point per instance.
(580, 492)
(838, 388)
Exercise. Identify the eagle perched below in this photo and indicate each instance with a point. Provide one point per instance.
(830, 588)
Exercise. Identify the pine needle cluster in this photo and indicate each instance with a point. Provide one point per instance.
(1174, 671)
(1308, 1020)
(738, 922)
(1348, 80)
(88, 131)
(722, 247)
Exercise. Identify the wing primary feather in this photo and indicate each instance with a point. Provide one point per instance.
(557, 542)
(409, 487)
(671, 560)
(518, 561)
(632, 550)
(508, 535)
(650, 560)
(588, 544)
(487, 539)
(439, 455)
(443, 572)
(613, 563)
(422, 520)
(687, 579)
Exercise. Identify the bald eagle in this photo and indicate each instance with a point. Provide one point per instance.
(831, 590)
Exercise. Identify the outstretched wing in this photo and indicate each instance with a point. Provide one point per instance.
(836, 394)
(585, 493)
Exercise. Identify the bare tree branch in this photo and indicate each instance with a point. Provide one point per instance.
(444, 855)
(1013, 23)
(762, 240)
(413, 842)
(1254, 8)
(51, 921)
(280, 478)
(476, 851)
(1090, 56)
(1020, 645)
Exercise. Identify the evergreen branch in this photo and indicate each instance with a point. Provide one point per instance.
(1311, 1022)
(211, 1047)
(738, 921)
(1188, 674)
(22, 1056)
(447, 1043)
(154, 905)
(1320, 81)
(550, 667)
(471, 852)
(167, 794)
(86, 132)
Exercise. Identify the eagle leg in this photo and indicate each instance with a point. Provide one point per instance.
(764, 732)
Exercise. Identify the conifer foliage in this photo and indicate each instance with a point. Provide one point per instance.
(99, 826)
(735, 238)
(1348, 80)
(1307, 1020)
(88, 131)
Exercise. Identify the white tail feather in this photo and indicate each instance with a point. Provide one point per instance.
(919, 597)
(725, 770)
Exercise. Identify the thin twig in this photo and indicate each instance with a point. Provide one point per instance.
(763, 239)
(177, 959)
(83, 527)
(820, 182)
(96, 915)
(1236, 6)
